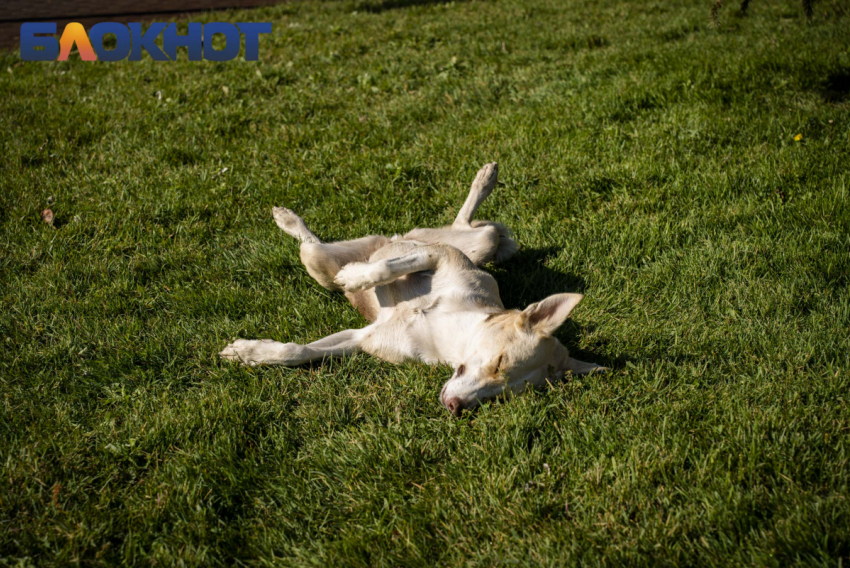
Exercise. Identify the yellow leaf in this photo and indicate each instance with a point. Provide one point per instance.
(798, 137)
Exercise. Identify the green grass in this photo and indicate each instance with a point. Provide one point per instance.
(647, 160)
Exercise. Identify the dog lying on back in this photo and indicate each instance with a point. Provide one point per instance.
(426, 299)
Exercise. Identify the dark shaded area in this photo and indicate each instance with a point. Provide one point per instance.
(378, 7)
(837, 86)
(51, 10)
(176, 155)
(575, 43)
(714, 11)
(60, 221)
(33, 161)
(525, 279)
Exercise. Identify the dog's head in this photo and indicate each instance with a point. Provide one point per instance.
(513, 350)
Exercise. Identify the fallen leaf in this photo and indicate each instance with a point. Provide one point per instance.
(47, 216)
(57, 488)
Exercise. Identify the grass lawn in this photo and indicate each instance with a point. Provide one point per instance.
(648, 160)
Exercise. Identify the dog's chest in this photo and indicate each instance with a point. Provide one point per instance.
(434, 332)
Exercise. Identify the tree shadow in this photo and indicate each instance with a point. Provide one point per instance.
(384, 5)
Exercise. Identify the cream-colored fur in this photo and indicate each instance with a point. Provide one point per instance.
(427, 299)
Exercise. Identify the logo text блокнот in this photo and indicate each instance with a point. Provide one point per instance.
(130, 40)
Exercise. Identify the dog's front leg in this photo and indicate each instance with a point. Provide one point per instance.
(357, 276)
(255, 352)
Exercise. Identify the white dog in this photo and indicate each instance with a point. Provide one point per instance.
(427, 299)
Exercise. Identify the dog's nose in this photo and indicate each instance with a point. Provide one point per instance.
(454, 405)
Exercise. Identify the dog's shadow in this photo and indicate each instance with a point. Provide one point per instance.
(525, 279)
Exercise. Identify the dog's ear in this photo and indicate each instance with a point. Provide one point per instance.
(547, 316)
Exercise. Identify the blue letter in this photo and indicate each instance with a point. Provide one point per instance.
(231, 41)
(146, 42)
(29, 42)
(122, 40)
(252, 33)
(193, 40)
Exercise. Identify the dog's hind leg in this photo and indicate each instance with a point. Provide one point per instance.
(255, 352)
(293, 225)
(324, 260)
(482, 186)
(481, 241)
(505, 245)
(359, 276)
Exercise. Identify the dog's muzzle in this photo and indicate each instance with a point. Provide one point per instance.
(452, 404)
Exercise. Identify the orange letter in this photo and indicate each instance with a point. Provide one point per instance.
(75, 32)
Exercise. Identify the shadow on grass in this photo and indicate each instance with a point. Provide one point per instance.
(836, 88)
(525, 279)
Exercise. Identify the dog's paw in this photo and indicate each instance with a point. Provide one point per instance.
(486, 179)
(356, 276)
(293, 225)
(253, 352)
(249, 352)
(581, 368)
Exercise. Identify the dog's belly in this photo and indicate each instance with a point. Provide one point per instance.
(399, 332)
(413, 289)
(435, 332)
(367, 302)
(422, 315)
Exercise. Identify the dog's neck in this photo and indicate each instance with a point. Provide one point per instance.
(455, 336)
(450, 336)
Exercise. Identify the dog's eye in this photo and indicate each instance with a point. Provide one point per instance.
(495, 367)
(460, 370)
